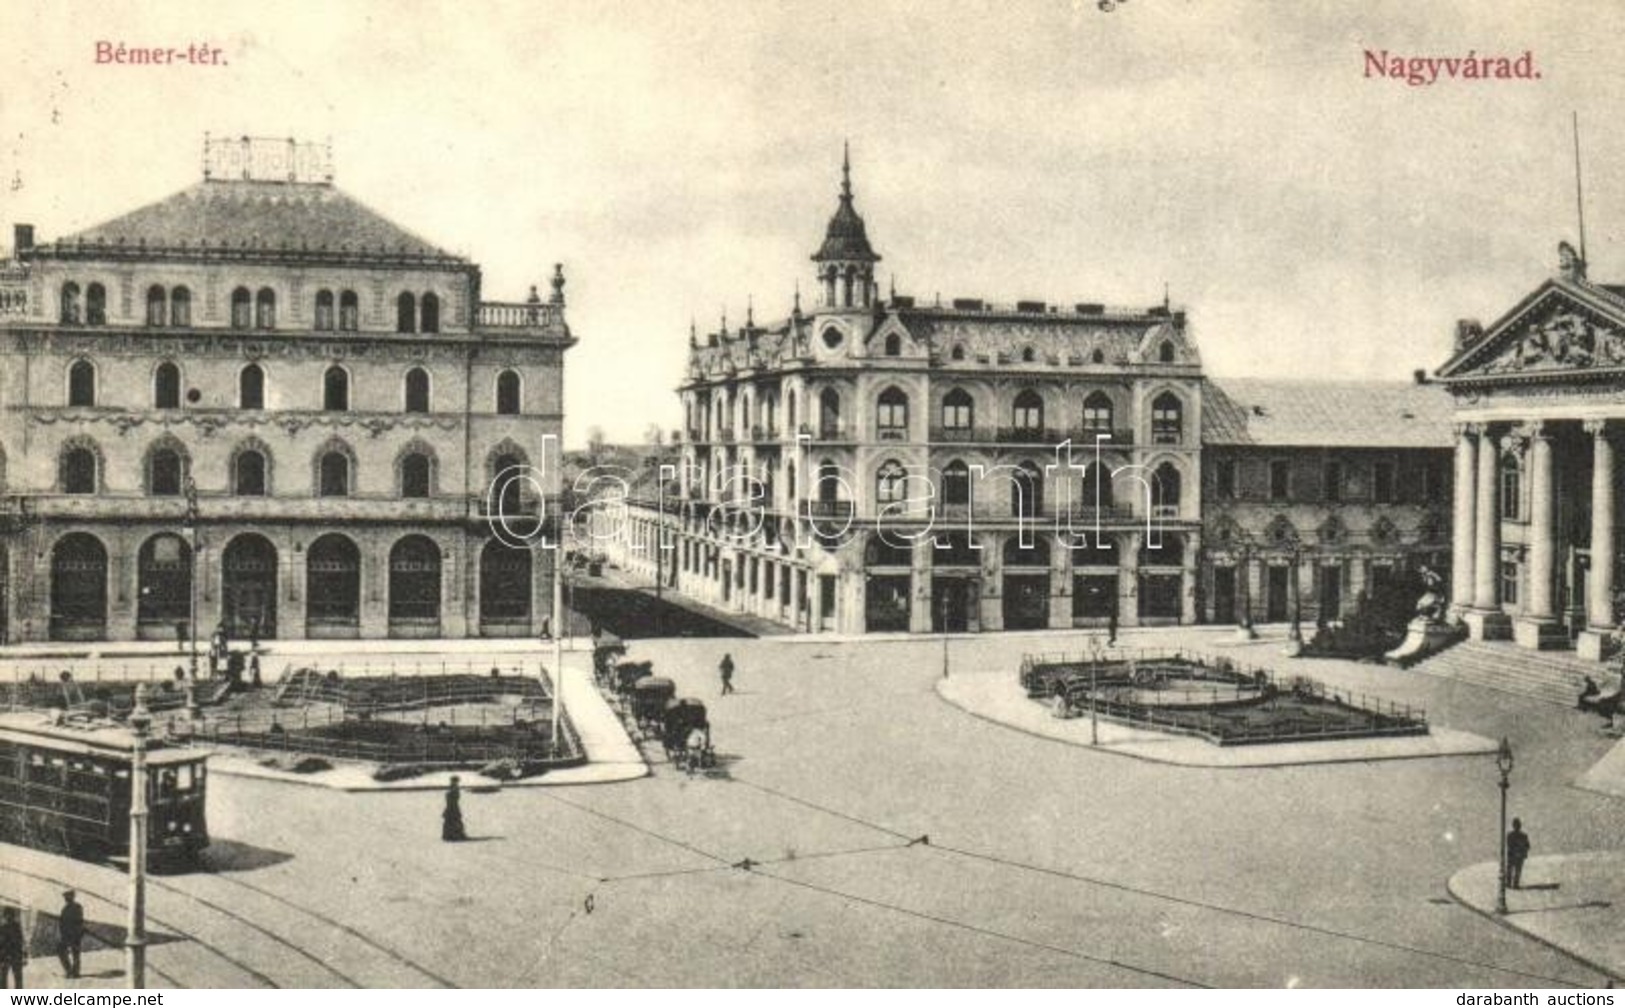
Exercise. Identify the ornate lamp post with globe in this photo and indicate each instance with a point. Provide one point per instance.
(1503, 763)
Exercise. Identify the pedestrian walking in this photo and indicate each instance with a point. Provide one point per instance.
(1517, 854)
(254, 669)
(726, 668)
(13, 949)
(254, 635)
(70, 931)
(1111, 626)
(451, 818)
(180, 636)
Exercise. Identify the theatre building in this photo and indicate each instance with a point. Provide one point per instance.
(260, 400)
(1539, 404)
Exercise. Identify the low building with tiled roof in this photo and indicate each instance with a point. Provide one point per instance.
(1316, 492)
(259, 404)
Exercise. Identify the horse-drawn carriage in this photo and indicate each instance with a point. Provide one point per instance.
(629, 674)
(649, 697)
(605, 654)
(686, 735)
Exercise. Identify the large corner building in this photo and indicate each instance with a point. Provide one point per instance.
(876, 463)
(260, 401)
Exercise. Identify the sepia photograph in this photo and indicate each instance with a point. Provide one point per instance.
(726, 495)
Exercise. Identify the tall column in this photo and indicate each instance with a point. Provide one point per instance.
(1600, 588)
(1128, 579)
(1486, 621)
(1542, 548)
(1486, 525)
(1462, 542)
(1537, 627)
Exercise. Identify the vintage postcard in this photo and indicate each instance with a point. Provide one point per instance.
(708, 494)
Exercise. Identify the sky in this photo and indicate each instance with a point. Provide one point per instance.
(681, 159)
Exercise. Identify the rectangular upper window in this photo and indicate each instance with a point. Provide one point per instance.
(1382, 482)
(1280, 480)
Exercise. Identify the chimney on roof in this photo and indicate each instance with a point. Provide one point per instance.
(1468, 332)
(22, 238)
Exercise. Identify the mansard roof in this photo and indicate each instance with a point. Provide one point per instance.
(235, 215)
(989, 334)
(1273, 412)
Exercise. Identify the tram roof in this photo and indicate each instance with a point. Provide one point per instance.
(98, 737)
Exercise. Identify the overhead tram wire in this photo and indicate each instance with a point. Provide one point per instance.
(1052, 872)
(750, 867)
(986, 932)
(1167, 897)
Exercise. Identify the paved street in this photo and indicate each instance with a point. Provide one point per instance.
(1047, 864)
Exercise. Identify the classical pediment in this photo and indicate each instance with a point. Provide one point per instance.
(1561, 328)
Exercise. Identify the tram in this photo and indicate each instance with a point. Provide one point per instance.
(65, 788)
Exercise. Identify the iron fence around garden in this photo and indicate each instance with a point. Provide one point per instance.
(363, 695)
(162, 668)
(1359, 715)
(449, 743)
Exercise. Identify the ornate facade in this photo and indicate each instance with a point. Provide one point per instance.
(880, 464)
(873, 463)
(1538, 409)
(264, 368)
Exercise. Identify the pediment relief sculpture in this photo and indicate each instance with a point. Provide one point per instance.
(1566, 340)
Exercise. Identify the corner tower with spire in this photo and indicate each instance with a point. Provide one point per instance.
(846, 262)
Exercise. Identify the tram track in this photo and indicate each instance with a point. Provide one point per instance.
(264, 932)
(391, 954)
(160, 922)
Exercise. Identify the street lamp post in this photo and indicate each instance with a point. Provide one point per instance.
(1094, 686)
(558, 644)
(191, 612)
(1245, 630)
(1296, 633)
(943, 607)
(135, 943)
(1503, 763)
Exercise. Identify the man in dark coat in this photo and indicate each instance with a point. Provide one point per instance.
(13, 949)
(70, 931)
(726, 667)
(1517, 854)
(451, 819)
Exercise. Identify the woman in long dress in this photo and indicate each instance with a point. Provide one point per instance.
(451, 819)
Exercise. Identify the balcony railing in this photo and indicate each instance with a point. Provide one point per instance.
(826, 432)
(891, 434)
(517, 315)
(381, 508)
(759, 433)
(1029, 435)
(1082, 436)
(828, 509)
(726, 435)
(1117, 437)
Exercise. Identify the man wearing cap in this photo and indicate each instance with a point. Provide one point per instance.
(70, 931)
